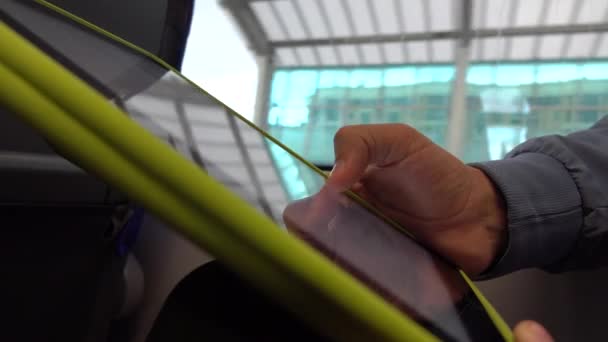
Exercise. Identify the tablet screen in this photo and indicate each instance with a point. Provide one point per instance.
(272, 179)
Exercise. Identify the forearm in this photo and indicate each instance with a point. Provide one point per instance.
(556, 197)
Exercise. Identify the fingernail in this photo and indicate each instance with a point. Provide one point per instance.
(537, 333)
(541, 333)
(337, 166)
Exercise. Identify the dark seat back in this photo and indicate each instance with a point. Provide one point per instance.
(62, 272)
(159, 26)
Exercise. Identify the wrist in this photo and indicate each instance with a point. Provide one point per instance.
(491, 220)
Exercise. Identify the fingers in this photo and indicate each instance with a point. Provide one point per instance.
(530, 331)
(312, 213)
(357, 147)
(352, 150)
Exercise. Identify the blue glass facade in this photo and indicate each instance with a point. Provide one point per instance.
(506, 103)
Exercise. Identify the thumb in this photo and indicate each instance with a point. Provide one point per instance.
(530, 331)
(352, 152)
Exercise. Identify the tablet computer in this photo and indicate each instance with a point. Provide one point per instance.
(129, 118)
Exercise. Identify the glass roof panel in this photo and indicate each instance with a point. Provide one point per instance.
(268, 21)
(312, 16)
(443, 50)
(362, 17)
(372, 53)
(385, 9)
(442, 15)
(592, 11)
(603, 48)
(372, 18)
(522, 47)
(478, 14)
(528, 14)
(307, 55)
(494, 13)
(349, 54)
(493, 48)
(393, 52)
(293, 24)
(550, 46)
(287, 57)
(337, 18)
(476, 48)
(327, 55)
(417, 52)
(560, 12)
(580, 45)
(413, 15)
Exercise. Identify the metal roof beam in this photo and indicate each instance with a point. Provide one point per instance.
(283, 27)
(466, 22)
(512, 17)
(306, 27)
(249, 26)
(458, 118)
(482, 33)
(401, 22)
(483, 16)
(376, 27)
(350, 20)
(325, 18)
(573, 16)
(489, 62)
(542, 18)
(266, 69)
(426, 14)
(597, 42)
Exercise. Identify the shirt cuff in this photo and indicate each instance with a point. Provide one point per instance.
(544, 211)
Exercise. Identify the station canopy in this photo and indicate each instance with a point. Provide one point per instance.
(300, 33)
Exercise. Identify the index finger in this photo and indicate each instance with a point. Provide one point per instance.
(359, 146)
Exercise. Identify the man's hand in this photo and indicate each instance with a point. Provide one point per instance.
(451, 207)
(529, 331)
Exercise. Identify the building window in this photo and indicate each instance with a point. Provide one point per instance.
(506, 103)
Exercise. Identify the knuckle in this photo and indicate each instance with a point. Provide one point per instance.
(407, 131)
(344, 132)
(405, 128)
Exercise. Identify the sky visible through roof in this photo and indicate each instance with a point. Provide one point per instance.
(217, 58)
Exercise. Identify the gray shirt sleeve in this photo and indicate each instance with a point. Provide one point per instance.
(556, 193)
